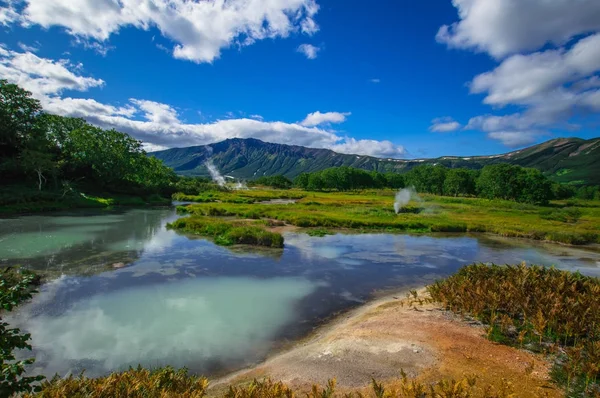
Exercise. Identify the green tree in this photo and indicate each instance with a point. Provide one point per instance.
(395, 180)
(500, 181)
(427, 179)
(315, 182)
(301, 181)
(459, 182)
(278, 181)
(19, 127)
(535, 187)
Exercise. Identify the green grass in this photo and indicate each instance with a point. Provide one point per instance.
(240, 197)
(571, 222)
(227, 233)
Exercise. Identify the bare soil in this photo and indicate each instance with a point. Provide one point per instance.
(378, 340)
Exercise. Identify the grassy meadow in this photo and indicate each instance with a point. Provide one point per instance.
(574, 222)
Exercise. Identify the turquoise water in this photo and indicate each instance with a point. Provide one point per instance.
(124, 290)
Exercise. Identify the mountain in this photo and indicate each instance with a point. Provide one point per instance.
(569, 160)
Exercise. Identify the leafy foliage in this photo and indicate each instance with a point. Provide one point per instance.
(544, 309)
(59, 154)
(347, 179)
(502, 181)
(15, 288)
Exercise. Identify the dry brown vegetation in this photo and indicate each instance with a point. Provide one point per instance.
(541, 309)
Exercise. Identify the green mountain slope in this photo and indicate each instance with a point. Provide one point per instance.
(569, 160)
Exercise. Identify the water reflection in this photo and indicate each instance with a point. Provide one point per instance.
(194, 322)
(184, 301)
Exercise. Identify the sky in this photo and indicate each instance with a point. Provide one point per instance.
(387, 78)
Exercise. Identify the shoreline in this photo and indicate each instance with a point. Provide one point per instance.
(379, 339)
(321, 330)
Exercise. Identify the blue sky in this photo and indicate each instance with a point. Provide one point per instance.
(386, 78)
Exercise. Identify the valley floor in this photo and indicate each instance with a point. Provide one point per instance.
(571, 222)
(382, 338)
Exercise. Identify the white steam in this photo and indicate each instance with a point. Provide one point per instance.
(212, 169)
(403, 197)
(214, 173)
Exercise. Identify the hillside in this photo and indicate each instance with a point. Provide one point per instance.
(569, 160)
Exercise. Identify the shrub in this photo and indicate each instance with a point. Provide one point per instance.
(15, 288)
(540, 308)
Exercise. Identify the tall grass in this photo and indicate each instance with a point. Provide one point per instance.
(134, 383)
(167, 382)
(228, 233)
(542, 309)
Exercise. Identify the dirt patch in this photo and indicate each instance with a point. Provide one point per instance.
(382, 338)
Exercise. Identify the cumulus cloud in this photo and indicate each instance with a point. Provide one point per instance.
(159, 125)
(503, 27)
(317, 118)
(521, 78)
(444, 125)
(515, 139)
(308, 50)
(43, 76)
(370, 147)
(548, 71)
(199, 29)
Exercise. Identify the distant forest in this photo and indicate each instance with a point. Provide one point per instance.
(499, 181)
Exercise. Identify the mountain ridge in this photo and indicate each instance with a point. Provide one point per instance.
(568, 160)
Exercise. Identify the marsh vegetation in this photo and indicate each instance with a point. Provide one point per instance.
(567, 221)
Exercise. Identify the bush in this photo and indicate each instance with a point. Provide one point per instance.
(537, 307)
(15, 288)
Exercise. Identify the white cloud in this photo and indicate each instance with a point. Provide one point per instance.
(43, 76)
(504, 27)
(257, 117)
(444, 125)
(521, 78)
(98, 47)
(317, 118)
(156, 112)
(199, 29)
(159, 125)
(27, 48)
(514, 139)
(308, 50)
(548, 87)
(370, 147)
(375, 81)
(8, 15)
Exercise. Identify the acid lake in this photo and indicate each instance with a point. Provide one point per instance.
(123, 290)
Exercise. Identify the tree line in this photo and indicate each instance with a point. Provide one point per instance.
(56, 153)
(499, 181)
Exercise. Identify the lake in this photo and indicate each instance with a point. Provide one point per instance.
(124, 290)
